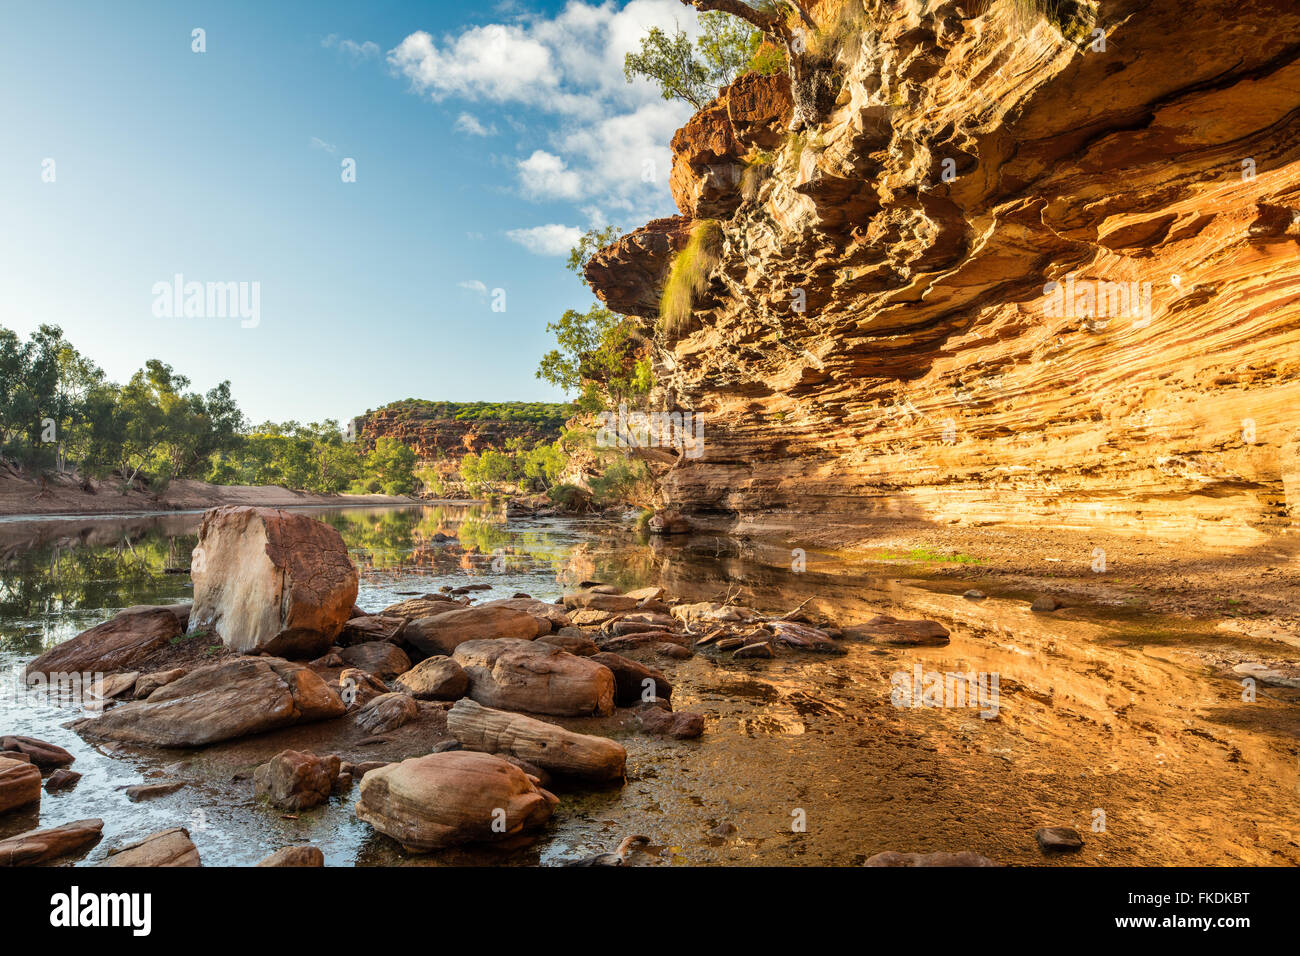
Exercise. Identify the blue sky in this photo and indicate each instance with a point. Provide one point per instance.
(485, 138)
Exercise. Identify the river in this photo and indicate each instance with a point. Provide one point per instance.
(1100, 724)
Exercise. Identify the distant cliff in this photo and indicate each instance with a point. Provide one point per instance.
(450, 429)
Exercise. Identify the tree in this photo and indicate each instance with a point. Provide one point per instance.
(393, 466)
(695, 72)
(592, 241)
(599, 357)
(786, 23)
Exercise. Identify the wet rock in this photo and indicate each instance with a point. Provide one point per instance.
(673, 651)
(646, 594)
(884, 629)
(327, 662)
(973, 595)
(221, 701)
(553, 614)
(61, 780)
(530, 676)
(804, 637)
(723, 830)
(123, 640)
(550, 747)
(114, 685)
(668, 522)
(146, 684)
(1058, 839)
(445, 799)
(151, 791)
(599, 601)
(363, 768)
(372, 627)
(40, 752)
(296, 856)
(380, 658)
(41, 846)
(588, 617)
(387, 712)
(579, 645)
(271, 581)
(634, 682)
(342, 783)
(425, 606)
(627, 642)
(730, 643)
(1045, 604)
(680, 724)
(443, 633)
(20, 784)
(435, 678)
(296, 780)
(171, 847)
(1278, 675)
(961, 858)
(760, 650)
(643, 621)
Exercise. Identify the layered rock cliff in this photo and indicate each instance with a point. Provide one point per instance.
(1012, 278)
(448, 429)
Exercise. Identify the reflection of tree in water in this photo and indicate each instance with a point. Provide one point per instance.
(67, 576)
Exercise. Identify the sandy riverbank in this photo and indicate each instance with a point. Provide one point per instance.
(20, 496)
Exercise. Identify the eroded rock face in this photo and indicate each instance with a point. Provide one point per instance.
(536, 742)
(1012, 278)
(537, 677)
(271, 581)
(296, 780)
(20, 783)
(445, 799)
(232, 698)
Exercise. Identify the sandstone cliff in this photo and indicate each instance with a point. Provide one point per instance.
(449, 429)
(1011, 278)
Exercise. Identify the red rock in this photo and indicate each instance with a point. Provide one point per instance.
(271, 581)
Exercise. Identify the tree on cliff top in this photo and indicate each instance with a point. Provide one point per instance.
(695, 72)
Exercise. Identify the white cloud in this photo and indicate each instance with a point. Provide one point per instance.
(603, 141)
(469, 124)
(352, 49)
(549, 240)
(544, 176)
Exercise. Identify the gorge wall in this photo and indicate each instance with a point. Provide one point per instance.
(1013, 278)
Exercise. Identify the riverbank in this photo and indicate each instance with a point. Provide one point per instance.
(65, 496)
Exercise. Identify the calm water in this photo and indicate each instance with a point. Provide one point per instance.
(804, 755)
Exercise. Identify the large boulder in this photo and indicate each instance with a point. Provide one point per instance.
(449, 798)
(443, 633)
(537, 677)
(547, 746)
(271, 581)
(44, 754)
(123, 640)
(387, 712)
(20, 783)
(221, 701)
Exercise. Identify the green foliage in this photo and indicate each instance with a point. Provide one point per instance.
(592, 241)
(695, 72)
(392, 464)
(689, 275)
(599, 358)
(624, 480)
